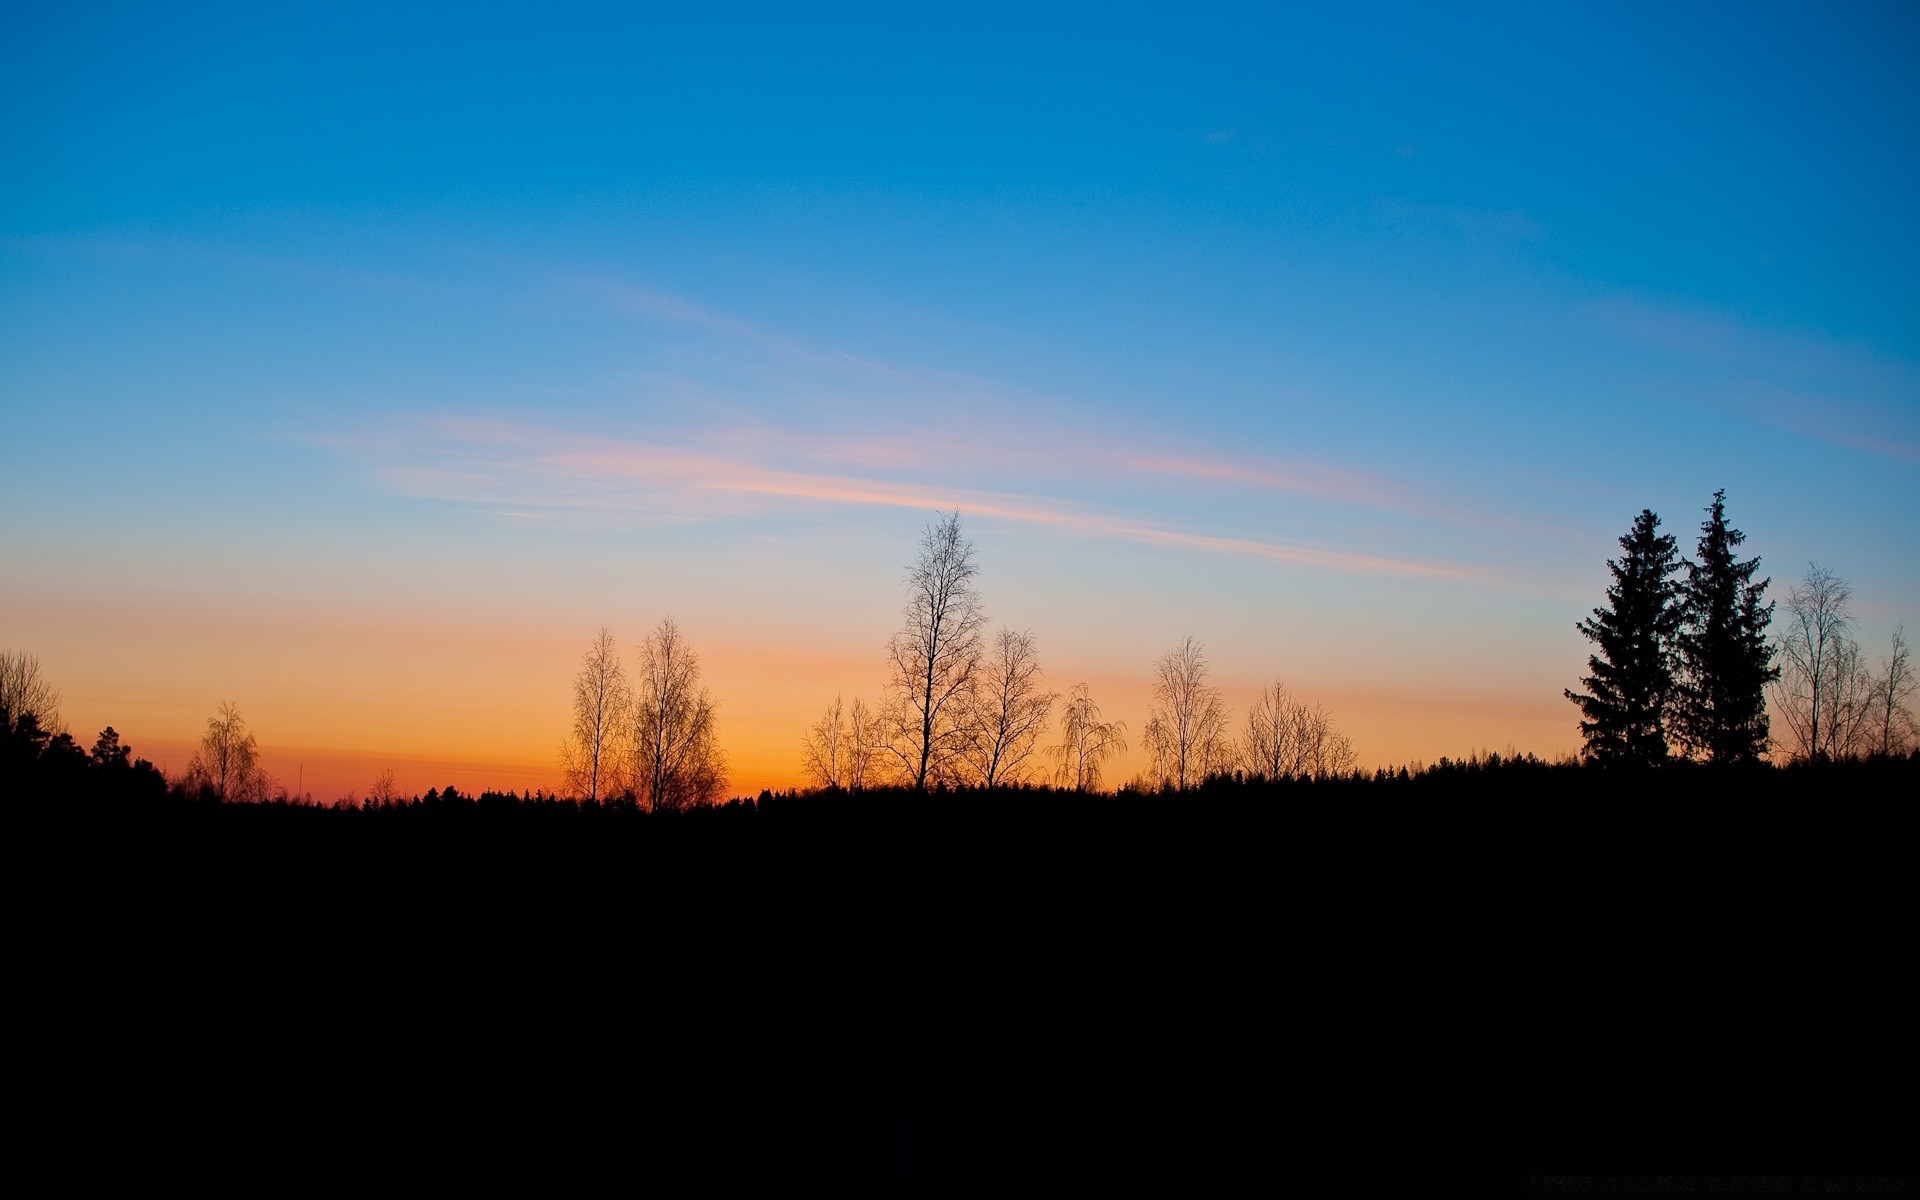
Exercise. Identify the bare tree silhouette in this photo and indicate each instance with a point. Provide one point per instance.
(1086, 742)
(602, 719)
(1006, 711)
(1288, 739)
(1187, 726)
(1824, 693)
(25, 692)
(836, 750)
(228, 760)
(382, 791)
(1892, 727)
(1271, 749)
(677, 763)
(1324, 752)
(934, 658)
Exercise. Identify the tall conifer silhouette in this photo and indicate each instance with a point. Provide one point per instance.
(1626, 695)
(1726, 661)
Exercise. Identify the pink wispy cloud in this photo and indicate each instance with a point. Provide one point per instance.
(524, 472)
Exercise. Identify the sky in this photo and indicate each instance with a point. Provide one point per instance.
(358, 363)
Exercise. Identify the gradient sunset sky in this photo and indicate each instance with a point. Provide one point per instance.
(358, 362)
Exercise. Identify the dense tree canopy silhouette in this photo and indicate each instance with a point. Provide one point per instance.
(1625, 698)
(1187, 726)
(595, 756)
(1725, 658)
(934, 658)
(677, 763)
(109, 752)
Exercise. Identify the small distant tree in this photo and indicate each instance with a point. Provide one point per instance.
(1823, 692)
(382, 793)
(1086, 742)
(1726, 661)
(677, 761)
(25, 692)
(228, 761)
(1006, 711)
(1625, 698)
(108, 751)
(838, 750)
(862, 741)
(1186, 729)
(1892, 730)
(602, 719)
(826, 749)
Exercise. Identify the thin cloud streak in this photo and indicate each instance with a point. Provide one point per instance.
(525, 471)
(933, 396)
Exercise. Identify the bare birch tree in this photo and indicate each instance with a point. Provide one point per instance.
(1086, 742)
(228, 760)
(1270, 749)
(1892, 726)
(836, 750)
(383, 792)
(934, 658)
(1823, 692)
(1006, 711)
(862, 732)
(823, 751)
(25, 692)
(1187, 725)
(676, 762)
(602, 719)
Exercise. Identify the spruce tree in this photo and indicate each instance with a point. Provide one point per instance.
(1626, 696)
(1725, 659)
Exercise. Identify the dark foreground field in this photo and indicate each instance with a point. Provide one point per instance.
(1015, 993)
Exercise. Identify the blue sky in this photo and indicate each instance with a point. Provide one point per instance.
(1345, 341)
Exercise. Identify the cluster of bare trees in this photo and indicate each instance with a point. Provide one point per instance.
(963, 707)
(1288, 739)
(960, 706)
(650, 737)
(1188, 734)
(1833, 703)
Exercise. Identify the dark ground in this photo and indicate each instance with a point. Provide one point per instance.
(1016, 994)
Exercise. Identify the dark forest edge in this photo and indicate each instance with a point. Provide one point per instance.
(53, 768)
